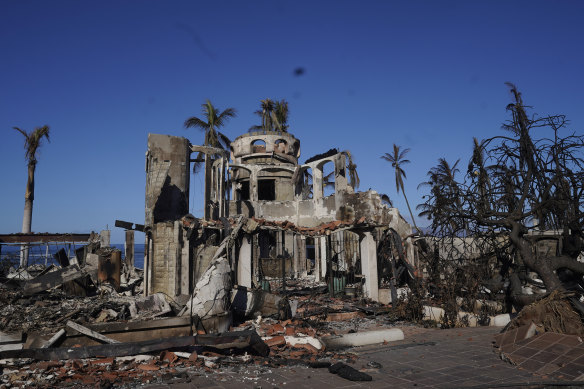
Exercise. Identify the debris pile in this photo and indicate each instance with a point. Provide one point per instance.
(85, 322)
(83, 342)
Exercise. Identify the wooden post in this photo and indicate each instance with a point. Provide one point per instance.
(129, 251)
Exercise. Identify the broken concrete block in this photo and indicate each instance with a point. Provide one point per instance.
(211, 292)
(364, 338)
(248, 302)
(149, 306)
(500, 320)
(297, 341)
(106, 315)
(433, 313)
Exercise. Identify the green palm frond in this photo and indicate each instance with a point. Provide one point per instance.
(224, 139)
(213, 119)
(266, 113)
(397, 160)
(195, 122)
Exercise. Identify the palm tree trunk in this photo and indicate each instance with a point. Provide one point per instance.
(409, 209)
(27, 217)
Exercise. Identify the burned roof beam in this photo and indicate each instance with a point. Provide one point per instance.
(129, 225)
(209, 150)
(42, 238)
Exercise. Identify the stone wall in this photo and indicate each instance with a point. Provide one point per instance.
(166, 250)
(167, 178)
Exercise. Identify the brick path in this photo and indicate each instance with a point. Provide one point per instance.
(453, 358)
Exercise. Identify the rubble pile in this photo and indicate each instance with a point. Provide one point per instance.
(250, 348)
(41, 313)
(105, 335)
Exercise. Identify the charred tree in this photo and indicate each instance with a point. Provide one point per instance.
(520, 187)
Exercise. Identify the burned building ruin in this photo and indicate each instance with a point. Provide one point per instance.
(301, 222)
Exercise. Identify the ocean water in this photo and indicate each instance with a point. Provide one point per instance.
(43, 254)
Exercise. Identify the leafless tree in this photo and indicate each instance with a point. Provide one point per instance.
(520, 187)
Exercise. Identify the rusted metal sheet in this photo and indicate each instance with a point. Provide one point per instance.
(43, 238)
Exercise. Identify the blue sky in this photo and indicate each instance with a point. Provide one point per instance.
(426, 75)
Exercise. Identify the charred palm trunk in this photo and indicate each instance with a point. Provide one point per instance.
(27, 217)
(409, 209)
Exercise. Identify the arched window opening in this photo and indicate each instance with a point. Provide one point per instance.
(328, 179)
(258, 146)
(306, 187)
(280, 146)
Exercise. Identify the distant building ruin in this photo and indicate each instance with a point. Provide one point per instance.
(300, 230)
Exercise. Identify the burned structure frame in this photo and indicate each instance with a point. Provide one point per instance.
(293, 230)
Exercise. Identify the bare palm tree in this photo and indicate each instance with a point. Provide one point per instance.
(213, 119)
(32, 141)
(397, 160)
(352, 169)
(266, 113)
(280, 116)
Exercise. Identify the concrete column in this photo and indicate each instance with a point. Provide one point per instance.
(148, 251)
(244, 264)
(323, 256)
(368, 249)
(185, 263)
(234, 187)
(317, 254)
(340, 250)
(340, 179)
(301, 253)
(292, 248)
(289, 246)
(253, 185)
(221, 194)
(176, 258)
(104, 238)
(317, 187)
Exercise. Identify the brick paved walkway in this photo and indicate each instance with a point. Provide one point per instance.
(453, 358)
